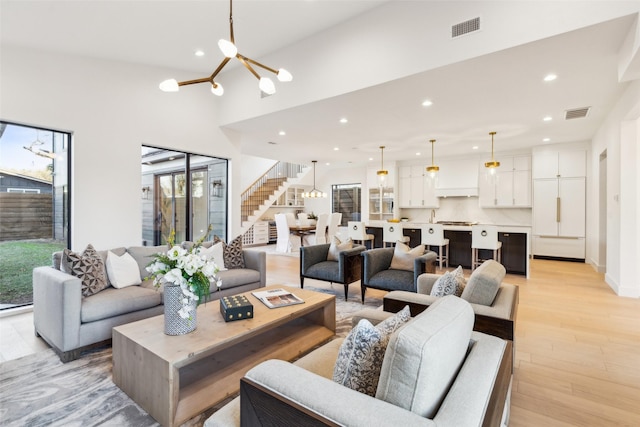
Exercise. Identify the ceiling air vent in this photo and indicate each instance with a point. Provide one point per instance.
(576, 113)
(465, 27)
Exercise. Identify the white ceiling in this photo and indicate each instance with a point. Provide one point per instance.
(501, 92)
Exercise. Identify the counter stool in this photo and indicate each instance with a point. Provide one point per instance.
(392, 233)
(484, 237)
(433, 235)
(356, 231)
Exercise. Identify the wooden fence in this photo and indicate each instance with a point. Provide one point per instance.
(26, 216)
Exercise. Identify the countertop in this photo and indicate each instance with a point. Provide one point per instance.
(503, 228)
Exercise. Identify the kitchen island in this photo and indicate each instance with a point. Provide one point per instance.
(516, 243)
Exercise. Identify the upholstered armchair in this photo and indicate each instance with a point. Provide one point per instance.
(381, 271)
(344, 268)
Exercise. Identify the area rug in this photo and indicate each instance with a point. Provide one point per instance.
(39, 390)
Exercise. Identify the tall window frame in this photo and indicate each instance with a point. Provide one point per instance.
(184, 192)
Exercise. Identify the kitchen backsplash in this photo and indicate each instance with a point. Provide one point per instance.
(467, 209)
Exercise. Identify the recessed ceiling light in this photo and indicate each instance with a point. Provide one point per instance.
(282, 133)
(550, 77)
(370, 158)
(336, 148)
(343, 120)
(327, 164)
(546, 139)
(475, 147)
(427, 103)
(417, 154)
(199, 52)
(547, 118)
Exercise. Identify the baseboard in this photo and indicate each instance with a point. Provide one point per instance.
(597, 267)
(557, 258)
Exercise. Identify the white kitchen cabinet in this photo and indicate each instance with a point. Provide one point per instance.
(416, 188)
(559, 202)
(559, 163)
(511, 185)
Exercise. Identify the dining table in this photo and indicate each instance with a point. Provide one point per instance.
(301, 231)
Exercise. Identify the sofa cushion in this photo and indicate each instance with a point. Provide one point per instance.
(122, 270)
(484, 282)
(144, 255)
(88, 267)
(325, 270)
(232, 252)
(113, 302)
(423, 358)
(393, 280)
(336, 247)
(236, 277)
(215, 252)
(360, 355)
(403, 256)
(450, 283)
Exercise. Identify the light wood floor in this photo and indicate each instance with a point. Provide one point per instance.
(577, 345)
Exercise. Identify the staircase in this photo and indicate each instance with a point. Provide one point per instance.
(264, 192)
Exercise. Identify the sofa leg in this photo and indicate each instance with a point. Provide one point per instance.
(363, 289)
(68, 356)
(301, 282)
(346, 291)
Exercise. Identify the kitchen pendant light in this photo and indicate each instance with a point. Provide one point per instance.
(314, 193)
(229, 50)
(382, 173)
(492, 165)
(433, 169)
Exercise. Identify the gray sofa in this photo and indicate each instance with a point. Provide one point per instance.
(71, 323)
(436, 372)
(494, 303)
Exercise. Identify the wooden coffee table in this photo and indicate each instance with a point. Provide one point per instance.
(175, 378)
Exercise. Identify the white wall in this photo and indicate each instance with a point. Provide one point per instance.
(253, 168)
(111, 109)
(620, 137)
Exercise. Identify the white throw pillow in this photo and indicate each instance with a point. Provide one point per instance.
(215, 253)
(123, 270)
(404, 256)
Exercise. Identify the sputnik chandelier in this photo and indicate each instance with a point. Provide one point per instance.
(230, 51)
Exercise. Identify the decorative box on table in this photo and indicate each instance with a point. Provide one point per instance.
(236, 307)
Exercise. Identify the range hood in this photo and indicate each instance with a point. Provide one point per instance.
(458, 178)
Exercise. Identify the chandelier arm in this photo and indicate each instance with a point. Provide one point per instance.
(243, 59)
(220, 67)
(260, 65)
(191, 82)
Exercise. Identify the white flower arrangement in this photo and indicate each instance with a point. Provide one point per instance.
(190, 270)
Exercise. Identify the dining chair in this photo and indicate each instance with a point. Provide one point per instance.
(320, 236)
(335, 219)
(303, 219)
(291, 219)
(285, 243)
(358, 233)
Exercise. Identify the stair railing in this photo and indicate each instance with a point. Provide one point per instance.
(263, 188)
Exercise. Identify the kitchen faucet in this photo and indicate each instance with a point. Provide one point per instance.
(433, 216)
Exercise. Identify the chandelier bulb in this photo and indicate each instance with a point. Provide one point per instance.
(170, 85)
(266, 85)
(217, 89)
(228, 49)
(284, 75)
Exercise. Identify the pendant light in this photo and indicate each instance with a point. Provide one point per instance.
(492, 165)
(433, 169)
(314, 193)
(382, 173)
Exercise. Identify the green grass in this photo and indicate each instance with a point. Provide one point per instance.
(17, 261)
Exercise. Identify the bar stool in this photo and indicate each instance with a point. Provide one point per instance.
(357, 232)
(392, 233)
(433, 235)
(484, 237)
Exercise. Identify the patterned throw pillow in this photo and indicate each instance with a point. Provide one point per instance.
(336, 247)
(232, 252)
(403, 256)
(362, 352)
(450, 283)
(88, 267)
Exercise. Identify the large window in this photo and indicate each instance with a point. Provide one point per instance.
(182, 192)
(346, 199)
(34, 205)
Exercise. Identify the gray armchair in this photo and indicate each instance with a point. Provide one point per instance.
(377, 274)
(314, 265)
